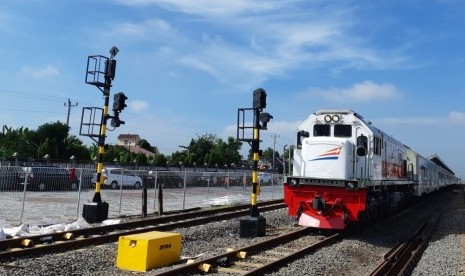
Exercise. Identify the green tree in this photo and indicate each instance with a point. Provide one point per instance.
(198, 149)
(75, 147)
(146, 145)
(224, 153)
(158, 159)
(52, 140)
(210, 150)
(268, 154)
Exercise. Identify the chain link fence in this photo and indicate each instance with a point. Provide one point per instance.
(43, 195)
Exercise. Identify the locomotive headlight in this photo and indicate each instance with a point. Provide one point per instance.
(336, 118)
(294, 182)
(352, 185)
(328, 118)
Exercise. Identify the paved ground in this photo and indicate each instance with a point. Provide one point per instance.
(43, 208)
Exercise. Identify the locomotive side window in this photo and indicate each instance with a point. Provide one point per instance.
(342, 131)
(377, 145)
(321, 130)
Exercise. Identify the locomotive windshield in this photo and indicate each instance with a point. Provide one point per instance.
(325, 130)
(342, 131)
(321, 130)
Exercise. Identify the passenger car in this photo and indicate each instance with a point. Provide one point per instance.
(116, 177)
(43, 178)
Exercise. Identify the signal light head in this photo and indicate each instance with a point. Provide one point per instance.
(259, 98)
(119, 101)
(265, 118)
(116, 122)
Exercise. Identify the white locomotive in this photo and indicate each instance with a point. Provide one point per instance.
(345, 169)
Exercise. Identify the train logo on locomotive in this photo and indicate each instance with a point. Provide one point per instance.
(329, 155)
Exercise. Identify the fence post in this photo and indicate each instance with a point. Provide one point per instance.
(26, 178)
(144, 198)
(120, 192)
(79, 193)
(184, 192)
(160, 201)
(155, 187)
(272, 182)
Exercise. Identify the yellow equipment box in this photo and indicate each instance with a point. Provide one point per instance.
(141, 252)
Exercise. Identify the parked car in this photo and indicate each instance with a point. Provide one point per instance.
(47, 178)
(166, 179)
(265, 177)
(206, 176)
(9, 178)
(116, 177)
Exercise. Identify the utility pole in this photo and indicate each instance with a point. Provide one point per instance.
(69, 105)
(274, 147)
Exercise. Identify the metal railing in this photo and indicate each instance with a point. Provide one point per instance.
(51, 195)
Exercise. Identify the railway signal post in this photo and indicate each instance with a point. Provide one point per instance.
(100, 73)
(253, 225)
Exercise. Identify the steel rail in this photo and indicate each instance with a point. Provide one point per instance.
(257, 247)
(110, 233)
(296, 255)
(402, 258)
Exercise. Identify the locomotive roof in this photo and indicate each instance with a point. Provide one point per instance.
(339, 111)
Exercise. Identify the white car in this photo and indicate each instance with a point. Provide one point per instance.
(265, 177)
(116, 177)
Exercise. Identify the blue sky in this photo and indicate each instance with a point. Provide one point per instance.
(187, 66)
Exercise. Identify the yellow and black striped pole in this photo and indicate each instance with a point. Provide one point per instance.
(255, 157)
(101, 142)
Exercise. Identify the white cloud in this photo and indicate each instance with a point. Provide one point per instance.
(207, 7)
(289, 35)
(138, 105)
(366, 91)
(150, 29)
(197, 64)
(41, 72)
(456, 117)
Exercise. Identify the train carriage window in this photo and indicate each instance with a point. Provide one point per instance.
(342, 131)
(321, 130)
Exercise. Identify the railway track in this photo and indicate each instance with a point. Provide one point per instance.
(257, 258)
(42, 244)
(402, 259)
